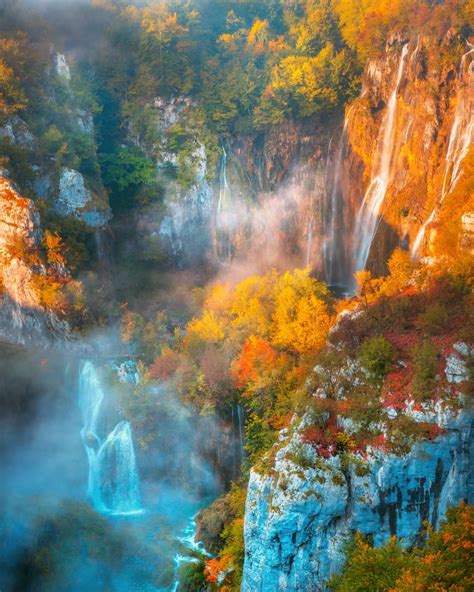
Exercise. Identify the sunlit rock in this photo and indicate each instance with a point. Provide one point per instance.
(61, 66)
(23, 319)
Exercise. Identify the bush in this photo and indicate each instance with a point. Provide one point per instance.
(376, 355)
(192, 577)
(445, 563)
(51, 140)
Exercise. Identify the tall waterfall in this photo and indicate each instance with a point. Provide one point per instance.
(113, 485)
(309, 241)
(226, 215)
(368, 216)
(460, 141)
(224, 192)
(335, 242)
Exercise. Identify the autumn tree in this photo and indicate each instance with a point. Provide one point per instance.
(301, 319)
(13, 60)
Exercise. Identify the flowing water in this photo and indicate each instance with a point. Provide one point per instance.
(460, 141)
(113, 485)
(187, 537)
(368, 216)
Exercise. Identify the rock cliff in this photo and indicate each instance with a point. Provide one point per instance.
(23, 319)
(299, 515)
(56, 179)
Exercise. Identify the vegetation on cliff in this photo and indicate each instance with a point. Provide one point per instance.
(445, 562)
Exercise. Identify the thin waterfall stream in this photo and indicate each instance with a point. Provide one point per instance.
(460, 141)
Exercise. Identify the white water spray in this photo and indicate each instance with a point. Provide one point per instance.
(113, 486)
(368, 216)
(460, 141)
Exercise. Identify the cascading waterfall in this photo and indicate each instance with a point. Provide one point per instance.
(460, 141)
(368, 216)
(113, 485)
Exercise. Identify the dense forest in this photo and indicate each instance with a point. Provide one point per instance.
(141, 146)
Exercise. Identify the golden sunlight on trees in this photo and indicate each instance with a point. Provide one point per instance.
(291, 310)
(301, 317)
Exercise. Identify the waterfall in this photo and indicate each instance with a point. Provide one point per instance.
(113, 486)
(223, 201)
(225, 214)
(334, 243)
(368, 216)
(460, 141)
(240, 416)
(309, 241)
(117, 466)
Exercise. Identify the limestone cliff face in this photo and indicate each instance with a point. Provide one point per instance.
(407, 145)
(298, 516)
(23, 320)
(178, 219)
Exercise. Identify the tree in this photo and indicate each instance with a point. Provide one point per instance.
(368, 568)
(301, 319)
(54, 247)
(13, 60)
(425, 364)
(127, 168)
(445, 563)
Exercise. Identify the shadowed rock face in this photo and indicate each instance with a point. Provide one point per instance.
(297, 521)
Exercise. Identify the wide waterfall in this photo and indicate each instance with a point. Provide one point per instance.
(368, 216)
(460, 141)
(113, 485)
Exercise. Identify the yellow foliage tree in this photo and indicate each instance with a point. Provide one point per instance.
(208, 328)
(301, 324)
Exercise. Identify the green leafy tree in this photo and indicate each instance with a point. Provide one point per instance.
(126, 168)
